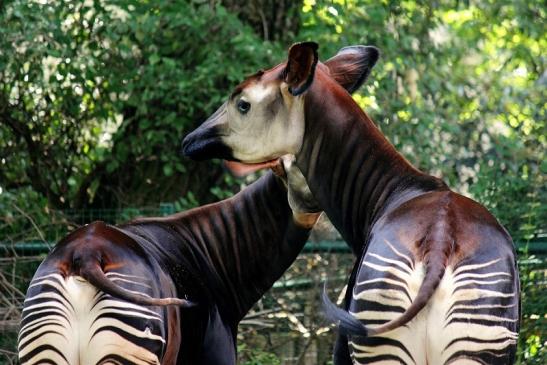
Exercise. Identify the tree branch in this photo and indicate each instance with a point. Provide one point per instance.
(34, 172)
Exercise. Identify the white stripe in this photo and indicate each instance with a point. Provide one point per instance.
(485, 317)
(389, 269)
(130, 282)
(391, 261)
(479, 282)
(487, 275)
(408, 258)
(113, 273)
(474, 267)
(384, 280)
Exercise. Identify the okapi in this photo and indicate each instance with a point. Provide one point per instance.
(110, 294)
(436, 280)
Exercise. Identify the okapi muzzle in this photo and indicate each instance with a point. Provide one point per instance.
(206, 142)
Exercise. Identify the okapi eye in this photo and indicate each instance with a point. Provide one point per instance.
(243, 106)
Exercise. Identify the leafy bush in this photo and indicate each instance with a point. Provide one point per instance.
(96, 96)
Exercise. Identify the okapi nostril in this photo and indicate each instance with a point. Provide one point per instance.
(76, 262)
(184, 150)
(188, 145)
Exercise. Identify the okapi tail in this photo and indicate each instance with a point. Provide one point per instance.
(440, 247)
(349, 325)
(92, 272)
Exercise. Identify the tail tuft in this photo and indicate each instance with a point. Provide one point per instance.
(347, 324)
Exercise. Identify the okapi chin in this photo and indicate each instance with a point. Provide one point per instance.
(436, 280)
(168, 290)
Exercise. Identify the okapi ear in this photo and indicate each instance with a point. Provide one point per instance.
(298, 73)
(352, 65)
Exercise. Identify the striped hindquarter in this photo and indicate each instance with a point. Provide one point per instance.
(472, 317)
(66, 320)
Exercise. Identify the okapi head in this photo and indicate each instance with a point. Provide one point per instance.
(263, 118)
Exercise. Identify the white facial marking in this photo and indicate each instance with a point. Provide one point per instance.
(258, 92)
(273, 126)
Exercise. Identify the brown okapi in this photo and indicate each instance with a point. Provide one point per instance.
(436, 280)
(94, 298)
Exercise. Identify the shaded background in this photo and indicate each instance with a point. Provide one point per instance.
(96, 95)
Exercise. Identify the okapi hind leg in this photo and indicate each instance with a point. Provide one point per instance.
(219, 343)
(478, 307)
(341, 355)
(341, 351)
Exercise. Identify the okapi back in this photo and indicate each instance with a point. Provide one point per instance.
(168, 290)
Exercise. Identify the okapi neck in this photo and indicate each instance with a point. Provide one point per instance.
(353, 171)
(236, 248)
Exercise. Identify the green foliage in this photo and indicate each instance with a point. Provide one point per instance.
(532, 348)
(256, 357)
(96, 96)
(25, 217)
